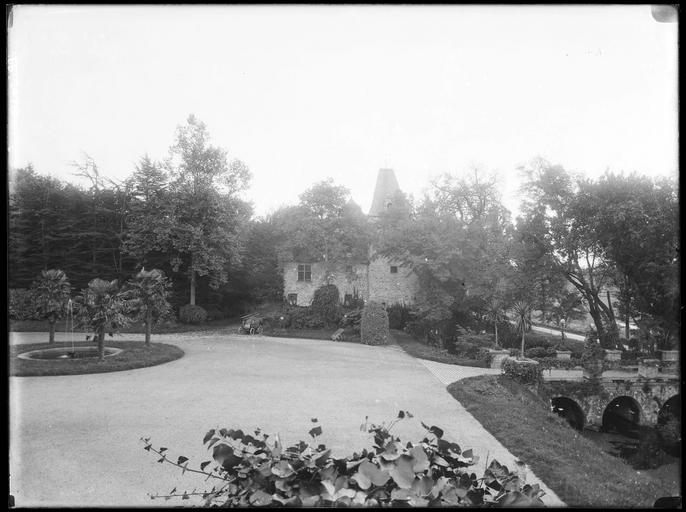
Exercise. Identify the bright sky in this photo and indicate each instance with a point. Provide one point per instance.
(303, 93)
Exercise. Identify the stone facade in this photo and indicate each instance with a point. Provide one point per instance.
(378, 279)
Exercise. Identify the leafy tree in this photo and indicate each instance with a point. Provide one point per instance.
(457, 241)
(51, 294)
(522, 313)
(146, 298)
(201, 220)
(101, 308)
(635, 220)
(325, 226)
(555, 224)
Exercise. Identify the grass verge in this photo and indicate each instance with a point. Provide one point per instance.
(571, 465)
(431, 353)
(135, 354)
(310, 334)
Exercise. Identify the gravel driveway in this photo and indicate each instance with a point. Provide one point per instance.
(74, 440)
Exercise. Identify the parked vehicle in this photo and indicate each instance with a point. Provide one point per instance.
(251, 324)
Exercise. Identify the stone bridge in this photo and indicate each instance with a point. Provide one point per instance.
(616, 401)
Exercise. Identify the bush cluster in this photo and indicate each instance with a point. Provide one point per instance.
(374, 324)
(432, 472)
(192, 314)
(398, 316)
(301, 317)
(326, 305)
(523, 371)
(21, 304)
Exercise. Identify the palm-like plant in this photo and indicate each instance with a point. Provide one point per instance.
(146, 298)
(51, 294)
(495, 313)
(101, 308)
(522, 310)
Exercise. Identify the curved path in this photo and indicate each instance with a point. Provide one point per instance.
(74, 440)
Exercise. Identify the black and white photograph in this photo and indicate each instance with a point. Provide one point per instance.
(343, 256)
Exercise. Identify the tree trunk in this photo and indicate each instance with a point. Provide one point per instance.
(496, 334)
(148, 327)
(52, 330)
(522, 352)
(192, 302)
(101, 343)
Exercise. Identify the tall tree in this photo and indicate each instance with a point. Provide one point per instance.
(635, 220)
(554, 223)
(201, 223)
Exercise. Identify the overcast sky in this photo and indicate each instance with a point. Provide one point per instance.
(303, 93)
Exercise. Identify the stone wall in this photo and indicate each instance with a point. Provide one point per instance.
(371, 282)
(347, 282)
(391, 288)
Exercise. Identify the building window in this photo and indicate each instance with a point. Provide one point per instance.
(304, 272)
(293, 299)
(348, 269)
(394, 269)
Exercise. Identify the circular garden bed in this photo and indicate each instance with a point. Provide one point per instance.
(29, 360)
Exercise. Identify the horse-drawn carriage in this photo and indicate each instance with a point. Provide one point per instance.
(251, 324)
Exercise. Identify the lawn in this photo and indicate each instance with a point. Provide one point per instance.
(431, 353)
(135, 354)
(571, 465)
(310, 334)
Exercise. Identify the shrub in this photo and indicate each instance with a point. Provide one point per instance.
(536, 352)
(398, 316)
(523, 371)
(326, 304)
(464, 349)
(374, 324)
(300, 317)
(431, 472)
(192, 314)
(21, 306)
(351, 321)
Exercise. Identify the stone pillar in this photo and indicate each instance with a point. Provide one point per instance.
(614, 357)
(498, 356)
(563, 355)
(648, 368)
(670, 360)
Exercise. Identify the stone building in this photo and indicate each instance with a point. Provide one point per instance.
(377, 278)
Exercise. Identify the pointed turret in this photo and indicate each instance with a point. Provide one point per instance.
(386, 187)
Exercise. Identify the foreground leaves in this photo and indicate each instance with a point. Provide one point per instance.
(431, 472)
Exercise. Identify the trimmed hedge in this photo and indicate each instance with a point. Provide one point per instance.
(192, 314)
(523, 371)
(374, 328)
(326, 304)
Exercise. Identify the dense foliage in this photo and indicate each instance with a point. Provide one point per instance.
(251, 471)
(326, 304)
(192, 314)
(101, 308)
(147, 298)
(374, 324)
(523, 371)
(50, 294)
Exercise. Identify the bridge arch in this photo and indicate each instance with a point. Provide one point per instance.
(570, 410)
(623, 415)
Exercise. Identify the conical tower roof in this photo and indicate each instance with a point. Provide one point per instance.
(386, 187)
